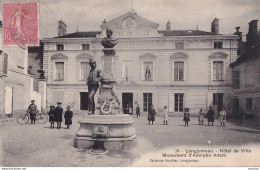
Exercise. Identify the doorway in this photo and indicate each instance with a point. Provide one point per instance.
(236, 107)
(217, 102)
(127, 99)
(83, 100)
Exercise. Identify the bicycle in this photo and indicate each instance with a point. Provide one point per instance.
(41, 118)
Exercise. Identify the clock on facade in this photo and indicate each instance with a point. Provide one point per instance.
(129, 24)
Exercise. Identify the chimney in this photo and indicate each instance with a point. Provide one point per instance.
(215, 26)
(168, 26)
(252, 32)
(238, 33)
(62, 28)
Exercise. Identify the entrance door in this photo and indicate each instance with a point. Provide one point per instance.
(217, 102)
(83, 101)
(236, 107)
(127, 99)
(8, 100)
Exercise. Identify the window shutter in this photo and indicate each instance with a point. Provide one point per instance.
(234, 78)
(171, 102)
(5, 67)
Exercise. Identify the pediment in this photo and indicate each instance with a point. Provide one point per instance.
(59, 56)
(123, 21)
(218, 55)
(147, 56)
(84, 56)
(130, 25)
(179, 55)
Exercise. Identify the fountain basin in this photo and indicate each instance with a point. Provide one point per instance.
(114, 130)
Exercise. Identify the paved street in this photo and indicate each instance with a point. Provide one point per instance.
(37, 145)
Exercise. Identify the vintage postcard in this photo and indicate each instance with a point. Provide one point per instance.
(129, 83)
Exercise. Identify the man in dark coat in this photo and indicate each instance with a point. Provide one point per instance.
(186, 117)
(68, 117)
(210, 115)
(95, 76)
(58, 114)
(151, 114)
(137, 109)
(32, 109)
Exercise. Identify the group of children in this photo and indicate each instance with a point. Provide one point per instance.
(210, 115)
(55, 115)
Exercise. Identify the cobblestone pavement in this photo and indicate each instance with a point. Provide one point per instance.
(38, 145)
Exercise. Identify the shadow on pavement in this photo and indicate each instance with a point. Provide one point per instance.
(67, 136)
(245, 130)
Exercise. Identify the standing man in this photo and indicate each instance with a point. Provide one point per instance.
(32, 109)
(137, 109)
(151, 114)
(210, 115)
(95, 76)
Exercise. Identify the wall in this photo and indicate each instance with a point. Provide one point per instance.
(249, 84)
(198, 56)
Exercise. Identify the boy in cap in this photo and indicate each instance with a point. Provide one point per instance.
(58, 114)
(32, 109)
(51, 114)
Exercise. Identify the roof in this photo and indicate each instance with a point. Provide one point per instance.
(88, 34)
(165, 33)
(185, 33)
(250, 54)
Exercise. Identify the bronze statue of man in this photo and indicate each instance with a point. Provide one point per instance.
(95, 76)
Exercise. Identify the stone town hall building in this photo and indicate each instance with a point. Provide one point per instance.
(176, 68)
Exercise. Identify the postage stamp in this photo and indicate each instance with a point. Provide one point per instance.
(20, 23)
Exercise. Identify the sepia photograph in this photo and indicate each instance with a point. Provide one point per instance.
(129, 83)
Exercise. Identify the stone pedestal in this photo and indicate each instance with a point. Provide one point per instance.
(42, 91)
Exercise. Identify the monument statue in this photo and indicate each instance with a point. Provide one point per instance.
(109, 42)
(95, 76)
(107, 128)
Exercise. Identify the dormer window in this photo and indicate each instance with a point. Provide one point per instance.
(60, 47)
(85, 47)
(179, 46)
(218, 45)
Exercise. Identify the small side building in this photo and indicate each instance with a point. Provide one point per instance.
(246, 78)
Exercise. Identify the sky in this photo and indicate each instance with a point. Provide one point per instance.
(183, 14)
